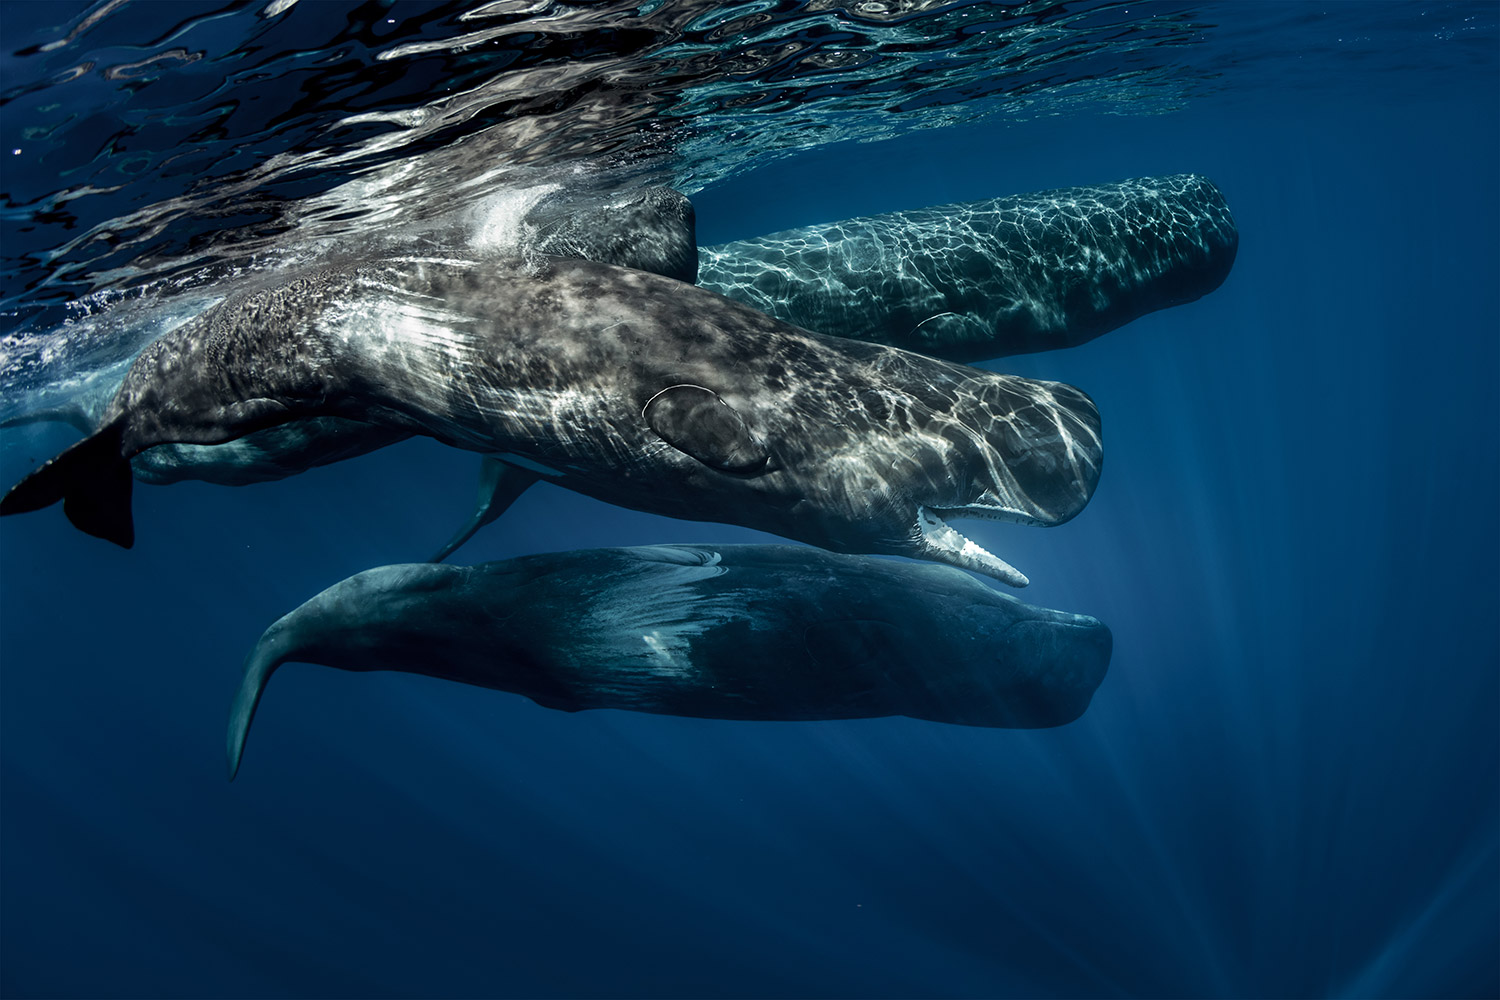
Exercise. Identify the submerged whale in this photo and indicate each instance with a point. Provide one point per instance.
(723, 632)
(264, 456)
(651, 229)
(632, 388)
(987, 279)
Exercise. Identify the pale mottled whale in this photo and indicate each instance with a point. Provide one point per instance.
(632, 388)
(988, 279)
(724, 632)
(650, 229)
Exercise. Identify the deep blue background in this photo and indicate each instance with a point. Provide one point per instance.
(1286, 786)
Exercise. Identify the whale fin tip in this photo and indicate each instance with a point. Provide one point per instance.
(259, 665)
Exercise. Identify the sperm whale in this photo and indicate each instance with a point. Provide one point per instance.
(724, 632)
(988, 279)
(627, 386)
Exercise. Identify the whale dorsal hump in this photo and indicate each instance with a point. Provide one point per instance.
(696, 421)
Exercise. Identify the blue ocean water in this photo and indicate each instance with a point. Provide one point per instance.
(1288, 784)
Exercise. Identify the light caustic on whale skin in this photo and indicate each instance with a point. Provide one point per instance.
(1117, 250)
(987, 279)
(754, 632)
(635, 389)
(652, 229)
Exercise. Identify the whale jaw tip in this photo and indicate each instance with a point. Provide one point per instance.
(937, 540)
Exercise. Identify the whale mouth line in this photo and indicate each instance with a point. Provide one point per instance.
(985, 512)
(941, 541)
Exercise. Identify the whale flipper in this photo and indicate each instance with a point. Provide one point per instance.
(697, 421)
(93, 481)
(499, 486)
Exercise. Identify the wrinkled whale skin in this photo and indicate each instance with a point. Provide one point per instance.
(755, 632)
(632, 388)
(988, 279)
(651, 229)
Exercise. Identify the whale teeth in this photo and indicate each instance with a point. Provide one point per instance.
(947, 545)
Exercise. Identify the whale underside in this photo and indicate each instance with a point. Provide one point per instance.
(756, 632)
(988, 279)
(627, 386)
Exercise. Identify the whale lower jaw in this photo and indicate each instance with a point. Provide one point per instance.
(941, 542)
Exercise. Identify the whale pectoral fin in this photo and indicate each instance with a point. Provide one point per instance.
(696, 421)
(499, 486)
(93, 481)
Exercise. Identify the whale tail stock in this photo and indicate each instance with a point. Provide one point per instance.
(92, 478)
(270, 652)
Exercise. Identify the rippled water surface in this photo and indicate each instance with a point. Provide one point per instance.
(1287, 783)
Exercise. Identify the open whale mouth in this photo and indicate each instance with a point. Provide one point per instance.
(943, 542)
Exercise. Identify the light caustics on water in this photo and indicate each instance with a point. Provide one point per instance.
(180, 155)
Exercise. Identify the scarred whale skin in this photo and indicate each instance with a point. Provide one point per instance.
(988, 279)
(652, 229)
(758, 632)
(626, 386)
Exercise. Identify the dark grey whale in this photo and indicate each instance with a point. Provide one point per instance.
(987, 279)
(629, 387)
(723, 632)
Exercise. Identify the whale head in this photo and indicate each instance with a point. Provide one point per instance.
(1037, 672)
(1001, 449)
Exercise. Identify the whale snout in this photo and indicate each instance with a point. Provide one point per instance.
(1053, 667)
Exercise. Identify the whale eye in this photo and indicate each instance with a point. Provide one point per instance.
(696, 421)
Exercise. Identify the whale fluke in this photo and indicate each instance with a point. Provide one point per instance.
(93, 481)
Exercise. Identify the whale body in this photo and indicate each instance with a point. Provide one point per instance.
(651, 229)
(988, 279)
(756, 632)
(271, 454)
(627, 386)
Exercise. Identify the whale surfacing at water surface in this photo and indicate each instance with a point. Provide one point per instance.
(626, 386)
(754, 632)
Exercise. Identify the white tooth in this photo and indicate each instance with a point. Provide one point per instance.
(950, 546)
